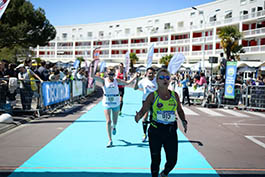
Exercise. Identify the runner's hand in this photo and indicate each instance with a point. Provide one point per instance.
(184, 124)
(137, 117)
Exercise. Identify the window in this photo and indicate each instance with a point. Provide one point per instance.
(127, 30)
(180, 24)
(64, 35)
(167, 26)
(80, 29)
(89, 34)
(110, 26)
(74, 30)
(213, 18)
(253, 10)
(192, 13)
(201, 21)
(101, 33)
(191, 23)
(243, 2)
(250, 1)
(157, 21)
(117, 26)
(228, 14)
(139, 29)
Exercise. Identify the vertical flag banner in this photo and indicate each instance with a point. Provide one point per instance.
(3, 6)
(127, 62)
(96, 53)
(102, 66)
(93, 66)
(230, 77)
(150, 56)
(175, 63)
(76, 64)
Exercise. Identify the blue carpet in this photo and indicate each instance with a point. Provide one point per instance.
(80, 150)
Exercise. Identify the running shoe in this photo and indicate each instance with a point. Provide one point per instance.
(144, 138)
(114, 131)
(162, 174)
(109, 144)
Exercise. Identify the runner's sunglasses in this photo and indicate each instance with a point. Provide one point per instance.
(164, 77)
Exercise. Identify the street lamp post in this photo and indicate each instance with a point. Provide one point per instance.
(204, 35)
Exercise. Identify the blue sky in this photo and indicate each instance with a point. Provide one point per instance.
(71, 12)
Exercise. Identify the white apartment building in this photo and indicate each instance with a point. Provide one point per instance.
(177, 31)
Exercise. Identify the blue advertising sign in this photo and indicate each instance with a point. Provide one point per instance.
(230, 77)
(55, 92)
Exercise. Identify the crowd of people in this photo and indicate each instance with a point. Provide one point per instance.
(26, 77)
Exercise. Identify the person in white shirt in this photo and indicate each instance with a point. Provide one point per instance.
(111, 99)
(148, 85)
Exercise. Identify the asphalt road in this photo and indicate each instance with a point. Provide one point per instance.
(232, 141)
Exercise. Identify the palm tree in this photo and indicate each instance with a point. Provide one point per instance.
(133, 60)
(165, 59)
(230, 36)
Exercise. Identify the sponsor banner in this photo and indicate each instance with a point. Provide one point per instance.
(230, 77)
(77, 88)
(55, 92)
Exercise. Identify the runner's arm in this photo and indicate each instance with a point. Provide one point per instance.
(181, 114)
(146, 107)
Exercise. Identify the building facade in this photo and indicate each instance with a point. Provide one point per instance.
(177, 31)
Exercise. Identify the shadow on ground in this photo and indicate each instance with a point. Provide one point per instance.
(99, 174)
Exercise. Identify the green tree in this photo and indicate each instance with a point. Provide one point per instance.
(133, 60)
(22, 25)
(165, 59)
(230, 36)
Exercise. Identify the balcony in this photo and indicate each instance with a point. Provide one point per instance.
(65, 47)
(47, 48)
(253, 15)
(182, 41)
(142, 55)
(119, 46)
(102, 46)
(82, 47)
(255, 49)
(118, 56)
(200, 39)
(254, 32)
(139, 44)
(160, 43)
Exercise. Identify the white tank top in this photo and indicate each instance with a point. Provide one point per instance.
(111, 97)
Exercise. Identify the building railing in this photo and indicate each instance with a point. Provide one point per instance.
(181, 41)
(139, 44)
(83, 47)
(254, 32)
(65, 47)
(260, 48)
(119, 45)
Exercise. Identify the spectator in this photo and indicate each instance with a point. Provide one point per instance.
(222, 64)
(185, 89)
(43, 72)
(55, 76)
(3, 85)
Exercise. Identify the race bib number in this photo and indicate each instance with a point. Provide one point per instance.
(166, 116)
(110, 98)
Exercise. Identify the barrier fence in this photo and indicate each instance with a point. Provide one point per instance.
(33, 96)
(246, 97)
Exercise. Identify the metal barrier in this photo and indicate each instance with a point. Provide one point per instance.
(254, 97)
(47, 96)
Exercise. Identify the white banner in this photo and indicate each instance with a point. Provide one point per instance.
(175, 63)
(77, 88)
(127, 62)
(150, 56)
(3, 6)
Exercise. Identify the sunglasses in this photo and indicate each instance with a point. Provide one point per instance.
(111, 74)
(164, 77)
